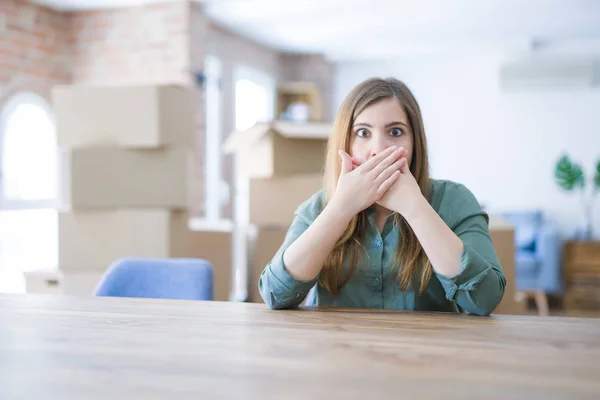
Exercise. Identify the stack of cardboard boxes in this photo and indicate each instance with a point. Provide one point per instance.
(124, 178)
(278, 166)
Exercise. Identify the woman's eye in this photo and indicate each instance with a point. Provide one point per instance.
(362, 132)
(396, 132)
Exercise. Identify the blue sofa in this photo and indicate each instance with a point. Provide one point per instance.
(538, 253)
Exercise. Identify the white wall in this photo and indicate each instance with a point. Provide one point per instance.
(501, 146)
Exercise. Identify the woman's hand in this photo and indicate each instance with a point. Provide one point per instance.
(404, 196)
(361, 187)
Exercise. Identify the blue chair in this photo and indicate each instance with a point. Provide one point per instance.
(538, 256)
(179, 278)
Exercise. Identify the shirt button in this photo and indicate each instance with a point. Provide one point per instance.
(377, 283)
(379, 243)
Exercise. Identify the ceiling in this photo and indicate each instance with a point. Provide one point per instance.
(353, 30)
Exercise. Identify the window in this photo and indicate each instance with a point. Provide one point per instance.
(254, 98)
(254, 102)
(28, 190)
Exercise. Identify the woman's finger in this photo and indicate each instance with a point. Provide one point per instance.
(386, 173)
(405, 169)
(374, 161)
(384, 187)
(389, 160)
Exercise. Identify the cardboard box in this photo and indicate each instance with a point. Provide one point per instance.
(263, 245)
(503, 238)
(80, 283)
(42, 282)
(143, 116)
(279, 148)
(110, 177)
(216, 247)
(90, 241)
(274, 200)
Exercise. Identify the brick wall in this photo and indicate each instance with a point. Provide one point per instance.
(32, 48)
(40, 47)
(147, 44)
(313, 68)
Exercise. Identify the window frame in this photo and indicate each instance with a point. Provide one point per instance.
(5, 113)
(213, 168)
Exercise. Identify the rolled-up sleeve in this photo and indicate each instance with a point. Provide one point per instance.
(277, 287)
(479, 285)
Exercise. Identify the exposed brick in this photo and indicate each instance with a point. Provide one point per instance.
(156, 43)
(30, 49)
(9, 63)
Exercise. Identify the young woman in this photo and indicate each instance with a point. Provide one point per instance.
(382, 234)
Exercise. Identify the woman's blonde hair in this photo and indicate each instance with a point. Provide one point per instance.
(410, 259)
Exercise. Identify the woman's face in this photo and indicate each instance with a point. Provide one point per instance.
(378, 127)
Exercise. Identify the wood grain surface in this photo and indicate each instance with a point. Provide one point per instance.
(66, 348)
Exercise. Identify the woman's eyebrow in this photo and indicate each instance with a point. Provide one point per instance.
(394, 123)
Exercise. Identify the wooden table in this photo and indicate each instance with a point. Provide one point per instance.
(90, 348)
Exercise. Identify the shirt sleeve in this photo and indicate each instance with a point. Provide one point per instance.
(277, 287)
(479, 285)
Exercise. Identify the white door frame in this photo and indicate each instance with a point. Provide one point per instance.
(241, 205)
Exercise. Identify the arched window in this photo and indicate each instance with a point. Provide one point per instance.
(28, 190)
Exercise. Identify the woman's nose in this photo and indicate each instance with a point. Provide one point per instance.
(379, 145)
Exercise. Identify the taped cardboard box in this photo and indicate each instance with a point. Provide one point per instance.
(273, 201)
(90, 241)
(279, 148)
(111, 177)
(136, 116)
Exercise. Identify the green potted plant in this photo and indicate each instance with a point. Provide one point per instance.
(571, 178)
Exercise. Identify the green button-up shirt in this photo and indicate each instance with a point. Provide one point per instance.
(477, 288)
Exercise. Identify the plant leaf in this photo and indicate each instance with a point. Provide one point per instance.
(597, 176)
(568, 175)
